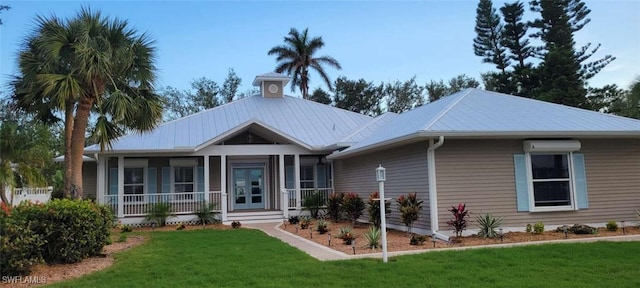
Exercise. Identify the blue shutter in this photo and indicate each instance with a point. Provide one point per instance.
(522, 184)
(113, 181)
(200, 185)
(152, 180)
(580, 180)
(166, 180)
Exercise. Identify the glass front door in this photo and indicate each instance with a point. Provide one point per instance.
(248, 188)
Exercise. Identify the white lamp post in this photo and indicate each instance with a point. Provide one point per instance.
(381, 177)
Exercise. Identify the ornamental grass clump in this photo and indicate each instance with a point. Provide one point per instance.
(158, 213)
(346, 235)
(373, 237)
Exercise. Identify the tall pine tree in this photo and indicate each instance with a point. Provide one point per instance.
(514, 37)
(489, 28)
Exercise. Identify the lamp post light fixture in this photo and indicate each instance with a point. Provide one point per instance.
(353, 246)
(381, 177)
(623, 229)
(433, 239)
(501, 236)
(566, 231)
(329, 239)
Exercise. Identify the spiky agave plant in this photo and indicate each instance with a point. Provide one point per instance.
(373, 237)
(488, 225)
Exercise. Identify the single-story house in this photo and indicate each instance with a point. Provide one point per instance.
(258, 157)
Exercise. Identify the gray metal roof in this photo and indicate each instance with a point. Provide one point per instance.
(474, 112)
(273, 76)
(306, 123)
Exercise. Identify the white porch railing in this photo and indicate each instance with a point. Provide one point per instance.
(181, 203)
(40, 194)
(296, 197)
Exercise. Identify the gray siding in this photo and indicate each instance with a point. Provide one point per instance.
(406, 172)
(89, 179)
(480, 173)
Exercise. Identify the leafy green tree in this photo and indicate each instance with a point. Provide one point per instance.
(297, 56)
(230, 87)
(523, 77)
(97, 65)
(403, 96)
(358, 96)
(612, 99)
(320, 96)
(438, 89)
(24, 150)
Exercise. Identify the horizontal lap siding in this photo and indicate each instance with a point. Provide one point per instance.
(89, 180)
(406, 172)
(480, 173)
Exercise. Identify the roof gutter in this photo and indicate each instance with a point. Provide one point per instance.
(433, 187)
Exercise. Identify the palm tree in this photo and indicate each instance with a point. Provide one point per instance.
(296, 56)
(89, 64)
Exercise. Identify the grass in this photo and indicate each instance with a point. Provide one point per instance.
(249, 258)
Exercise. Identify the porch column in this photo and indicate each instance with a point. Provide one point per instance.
(206, 180)
(101, 183)
(284, 195)
(296, 172)
(120, 186)
(223, 187)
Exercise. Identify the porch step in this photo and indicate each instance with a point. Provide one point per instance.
(255, 216)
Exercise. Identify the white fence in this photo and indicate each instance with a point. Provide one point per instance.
(296, 198)
(39, 194)
(181, 203)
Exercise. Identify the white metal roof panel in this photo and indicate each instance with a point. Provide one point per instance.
(474, 112)
(314, 124)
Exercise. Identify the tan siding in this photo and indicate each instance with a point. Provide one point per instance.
(406, 169)
(89, 179)
(480, 173)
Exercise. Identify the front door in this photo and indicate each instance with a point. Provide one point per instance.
(248, 188)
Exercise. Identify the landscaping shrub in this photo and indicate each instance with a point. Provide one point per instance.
(529, 228)
(205, 214)
(583, 229)
(333, 206)
(19, 244)
(353, 206)
(374, 209)
(488, 225)
(538, 228)
(321, 226)
(158, 213)
(612, 226)
(346, 235)
(71, 229)
(417, 239)
(313, 203)
(236, 224)
(373, 237)
(409, 207)
(305, 222)
(293, 220)
(459, 220)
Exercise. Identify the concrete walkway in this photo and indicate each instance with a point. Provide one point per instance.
(323, 253)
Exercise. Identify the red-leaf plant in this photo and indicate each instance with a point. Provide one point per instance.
(458, 222)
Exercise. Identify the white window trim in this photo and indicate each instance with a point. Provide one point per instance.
(572, 184)
(139, 163)
(173, 180)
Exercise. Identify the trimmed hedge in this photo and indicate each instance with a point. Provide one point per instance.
(69, 230)
(19, 245)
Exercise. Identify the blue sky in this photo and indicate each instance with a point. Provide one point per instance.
(377, 41)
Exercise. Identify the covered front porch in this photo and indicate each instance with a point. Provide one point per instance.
(251, 182)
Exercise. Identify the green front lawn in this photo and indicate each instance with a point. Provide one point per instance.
(249, 258)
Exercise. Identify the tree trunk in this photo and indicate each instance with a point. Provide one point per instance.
(68, 128)
(77, 144)
(3, 197)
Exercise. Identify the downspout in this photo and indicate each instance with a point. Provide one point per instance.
(433, 189)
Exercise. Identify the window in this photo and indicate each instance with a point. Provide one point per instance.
(551, 180)
(134, 184)
(550, 176)
(184, 182)
(306, 177)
